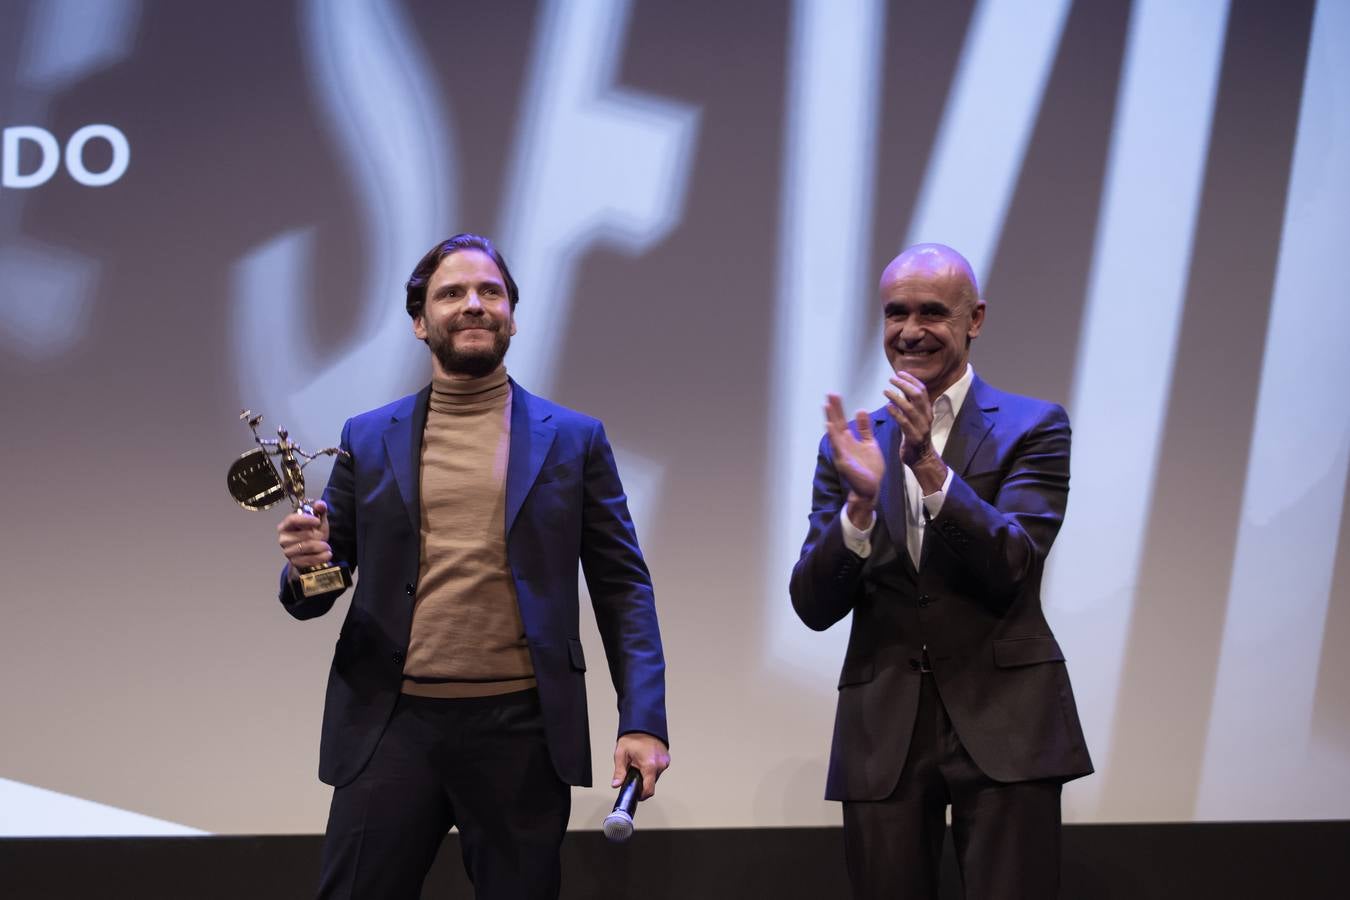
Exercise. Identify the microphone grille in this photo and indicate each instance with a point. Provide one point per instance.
(618, 826)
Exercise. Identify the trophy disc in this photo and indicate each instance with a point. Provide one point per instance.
(254, 482)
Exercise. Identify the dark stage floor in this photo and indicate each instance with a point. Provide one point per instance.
(1305, 860)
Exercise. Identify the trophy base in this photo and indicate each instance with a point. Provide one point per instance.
(324, 580)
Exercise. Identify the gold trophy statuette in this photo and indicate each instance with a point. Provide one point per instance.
(256, 483)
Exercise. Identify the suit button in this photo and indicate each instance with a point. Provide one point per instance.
(398, 657)
(409, 589)
(923, 600)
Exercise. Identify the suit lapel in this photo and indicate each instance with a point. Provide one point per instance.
(973, 424)
(403, 443)
(892, 493)
(532, 435)
(970, 428)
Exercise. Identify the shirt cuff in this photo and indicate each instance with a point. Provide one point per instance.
(932, 503)
(857, 541)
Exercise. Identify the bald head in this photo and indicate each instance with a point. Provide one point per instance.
(937, 266)
(932, 311)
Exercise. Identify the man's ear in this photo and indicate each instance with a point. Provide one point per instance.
(419, 327)
(976, 321)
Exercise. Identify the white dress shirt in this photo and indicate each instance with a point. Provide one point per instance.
(945, 411)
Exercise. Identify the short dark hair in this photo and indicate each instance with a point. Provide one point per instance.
(421, 274)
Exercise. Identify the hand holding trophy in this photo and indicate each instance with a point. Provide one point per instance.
(256, 483)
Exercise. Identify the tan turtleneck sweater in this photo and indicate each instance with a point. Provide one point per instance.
(467, 636)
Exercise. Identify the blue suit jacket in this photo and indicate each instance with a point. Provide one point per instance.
(974, 602)
(564, 503)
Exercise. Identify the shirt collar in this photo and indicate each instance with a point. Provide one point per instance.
(956, 394)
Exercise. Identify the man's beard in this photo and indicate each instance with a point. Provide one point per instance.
(474, 363)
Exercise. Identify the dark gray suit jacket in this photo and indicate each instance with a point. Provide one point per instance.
(974, 602)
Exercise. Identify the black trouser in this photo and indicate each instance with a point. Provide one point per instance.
(481, 764)
(1006, 835)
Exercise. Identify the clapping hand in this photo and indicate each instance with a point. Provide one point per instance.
(857, 457)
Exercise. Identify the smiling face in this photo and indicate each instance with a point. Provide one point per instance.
(932, 312)
(467, 318)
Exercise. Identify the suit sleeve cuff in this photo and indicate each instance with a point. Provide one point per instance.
(857, 541)
(932, 503)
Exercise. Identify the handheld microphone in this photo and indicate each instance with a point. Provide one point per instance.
(619, 823)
